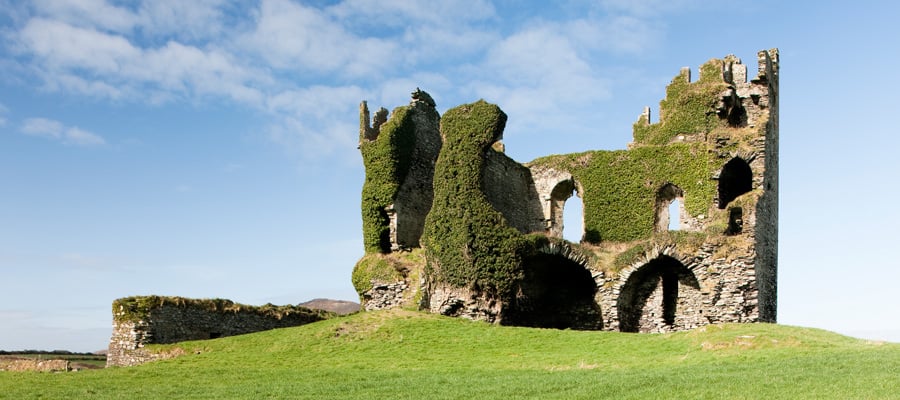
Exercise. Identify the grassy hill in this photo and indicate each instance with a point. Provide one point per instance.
(409, 355)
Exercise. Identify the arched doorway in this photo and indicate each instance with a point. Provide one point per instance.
(649, 299)
(556, 292)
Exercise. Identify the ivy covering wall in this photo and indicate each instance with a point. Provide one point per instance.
(467, 242)
(689, 107)
(620, 186)
(386, 159)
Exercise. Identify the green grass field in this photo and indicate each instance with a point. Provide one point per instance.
(409, 355)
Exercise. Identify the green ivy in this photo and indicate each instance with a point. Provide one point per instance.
(689, 108)
(620, 186)
(467, 242)
(386, 160)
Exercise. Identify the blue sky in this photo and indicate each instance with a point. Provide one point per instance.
(208, 148)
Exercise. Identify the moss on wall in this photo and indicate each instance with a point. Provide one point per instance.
(386, 268)
(689, 107)
(386, 159)
(138, 308)
(620, 187)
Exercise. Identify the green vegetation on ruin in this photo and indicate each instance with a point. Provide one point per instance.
(387, 161)
(620, 187)
(136, 308)
(689, 107)
(408, 355)
(469, 243)
(389, 268)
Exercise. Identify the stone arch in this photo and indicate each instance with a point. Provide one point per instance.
(665, 196)
(557, 291)
(660, 278)
(561, 192)
(735, 179)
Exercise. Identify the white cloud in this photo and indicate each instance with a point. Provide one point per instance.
(63, 46)
(97, 63)
(184, 19)
(309, 66)
(3, 111)
(88, 13)
(316, 121)
(193, 19)
(82, 137)
(43, 127)
(55, 130)
(293, 36)
(537, 73)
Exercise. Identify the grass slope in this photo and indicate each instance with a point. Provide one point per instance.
(408, 355)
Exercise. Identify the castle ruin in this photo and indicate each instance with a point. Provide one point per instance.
(454, 226)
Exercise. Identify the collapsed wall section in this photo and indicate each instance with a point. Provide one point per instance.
(142, 320)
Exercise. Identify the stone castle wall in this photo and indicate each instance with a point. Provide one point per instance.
(722, 267)
(166, 321)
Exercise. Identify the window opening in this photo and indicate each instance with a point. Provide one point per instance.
(573, 219)
(736, 179)
(735, 221)
(675, 215)
(669, 206)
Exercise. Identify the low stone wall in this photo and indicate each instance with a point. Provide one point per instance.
(139, 321)
(31, 364)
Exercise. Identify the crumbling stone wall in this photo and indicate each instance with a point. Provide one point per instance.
(508, 186)
(714, 149)
(399, 152)
(143, 320)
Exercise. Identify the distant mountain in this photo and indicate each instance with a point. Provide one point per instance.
(340, 307)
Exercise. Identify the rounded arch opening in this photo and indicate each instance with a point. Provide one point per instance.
(735, 179)
(573, 219)
(663, 274)
(669, 208)
(556, 292)
(566, 206)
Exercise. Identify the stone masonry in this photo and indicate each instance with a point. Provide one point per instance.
(726, 272)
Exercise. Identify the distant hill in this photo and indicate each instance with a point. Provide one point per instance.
(340, 307)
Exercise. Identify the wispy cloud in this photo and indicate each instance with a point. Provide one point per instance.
(51, 129)
(308, 66)
(293, 36)
(3, 112)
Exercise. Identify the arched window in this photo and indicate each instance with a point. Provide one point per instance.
(566, 212)
(573, 217)
(736, 179)
(669, 208)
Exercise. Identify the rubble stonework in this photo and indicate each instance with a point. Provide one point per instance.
(139, 321)
(714, 150)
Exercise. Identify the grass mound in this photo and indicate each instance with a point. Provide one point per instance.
(408, 355)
